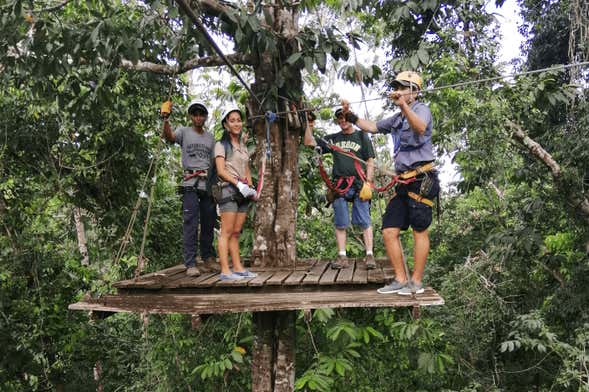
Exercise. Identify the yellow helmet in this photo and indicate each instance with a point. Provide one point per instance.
(407, 78)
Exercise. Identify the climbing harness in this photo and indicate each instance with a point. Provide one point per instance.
(425, 187)
(188, 174)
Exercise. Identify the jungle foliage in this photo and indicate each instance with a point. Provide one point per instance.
(80, 128)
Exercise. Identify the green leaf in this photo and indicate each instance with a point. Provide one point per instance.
(293, 58)
(423, 56)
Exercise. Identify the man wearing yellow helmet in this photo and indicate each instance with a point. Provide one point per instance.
(411, 205)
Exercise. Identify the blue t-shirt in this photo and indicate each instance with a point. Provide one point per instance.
(410, 147)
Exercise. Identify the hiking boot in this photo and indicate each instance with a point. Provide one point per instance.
(192, 271)
(210, 265)
(340, 262)
(370, 262)
(412, 288)
(393, 287)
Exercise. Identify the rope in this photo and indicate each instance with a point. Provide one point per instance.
(200, 27)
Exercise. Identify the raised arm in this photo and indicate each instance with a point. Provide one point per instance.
(364, 124)
(167, 132)
(404, 101)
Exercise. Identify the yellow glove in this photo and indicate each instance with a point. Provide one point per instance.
(366, 192)
(166, 109)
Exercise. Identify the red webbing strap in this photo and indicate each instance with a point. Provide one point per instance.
(394, 180)
(194, 174)
(335, 188)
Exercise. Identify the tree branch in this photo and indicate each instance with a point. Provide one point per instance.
(535, 148)
(578, 200)
(202, 62)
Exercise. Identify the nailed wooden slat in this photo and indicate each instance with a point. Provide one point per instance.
(389, 274)
(278, 278)
(315, 273)
(295, 278)
(196, 281)
(376, 275)
(328, 276)
(345, 275)
(360, 274)
(261, 279)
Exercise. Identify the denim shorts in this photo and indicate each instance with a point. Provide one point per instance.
(230, 205)
(360, 211)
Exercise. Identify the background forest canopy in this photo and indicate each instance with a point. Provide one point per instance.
(82, 83)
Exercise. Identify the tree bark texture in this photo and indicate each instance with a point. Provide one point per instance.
(275, 221)
(273, 362)
(81, 233)
(263, 347)
(285, 352)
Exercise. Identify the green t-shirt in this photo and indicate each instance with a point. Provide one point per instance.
(357, 143)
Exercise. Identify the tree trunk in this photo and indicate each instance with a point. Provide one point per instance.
(81, 232)
(273, 362)
(285, 352)
(275, 221)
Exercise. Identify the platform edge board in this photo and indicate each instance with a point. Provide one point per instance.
(84, 306)
(235, 303)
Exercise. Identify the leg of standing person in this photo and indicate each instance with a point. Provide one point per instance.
(341, 220)
(234, 241)
(394, 249)
(208, 217)
(189, 231)
(227, 224)
(361, 217)
(420, 252)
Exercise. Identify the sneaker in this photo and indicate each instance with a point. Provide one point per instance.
(246, 274)
(412, 288)
(231, 276)
(340, 262)
(370, 262)
(192, 271)
(210, 265)
(393, 287)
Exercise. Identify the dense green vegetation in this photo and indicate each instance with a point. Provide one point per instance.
(510, 250)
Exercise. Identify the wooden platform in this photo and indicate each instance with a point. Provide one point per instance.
(310, 284)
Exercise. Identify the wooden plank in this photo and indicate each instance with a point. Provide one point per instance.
(315, 273)
(388, 274)
(260, 279)
(154, 302)
(328, 276)
(376, 275)
(345, 275)
(210, 280)
(194, 281)
(278, 278)
(360, 274)
(295, 278)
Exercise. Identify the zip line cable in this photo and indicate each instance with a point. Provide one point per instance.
(462, 84)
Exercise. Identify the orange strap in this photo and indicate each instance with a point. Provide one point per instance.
(420, 199)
